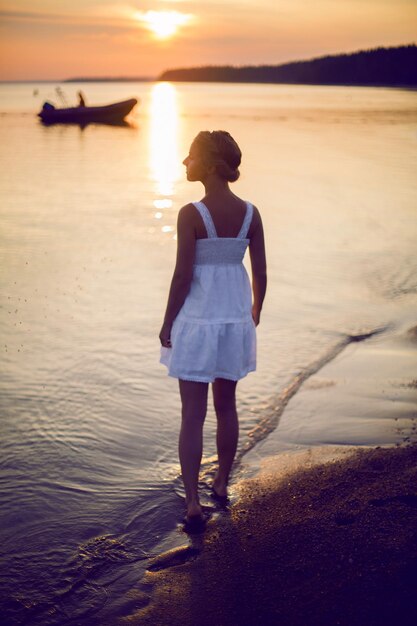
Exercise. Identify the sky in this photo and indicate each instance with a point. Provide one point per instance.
(58, 39)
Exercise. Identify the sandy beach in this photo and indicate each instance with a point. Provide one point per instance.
(322, 535)
(332, 545)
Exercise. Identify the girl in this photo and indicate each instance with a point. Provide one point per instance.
(208, 333)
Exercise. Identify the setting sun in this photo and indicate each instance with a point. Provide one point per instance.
(163, 24)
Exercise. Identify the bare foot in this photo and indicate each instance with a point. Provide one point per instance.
(194, 523)
(194, 510)
(219, 487)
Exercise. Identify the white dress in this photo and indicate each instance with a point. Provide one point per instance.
(213, 335)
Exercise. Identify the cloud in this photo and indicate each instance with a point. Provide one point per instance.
(37, 24)
(27, 15)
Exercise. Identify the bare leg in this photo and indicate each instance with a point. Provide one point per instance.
(190, 447)
(224, 397)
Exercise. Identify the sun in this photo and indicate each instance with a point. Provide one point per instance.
(163, 24)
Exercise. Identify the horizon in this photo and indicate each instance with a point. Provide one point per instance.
(108, 38)
(121, 78)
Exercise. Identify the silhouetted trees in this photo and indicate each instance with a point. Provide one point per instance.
(379, 67)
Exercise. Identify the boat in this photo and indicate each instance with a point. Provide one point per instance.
(108, 114)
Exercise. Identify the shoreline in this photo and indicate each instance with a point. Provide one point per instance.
(337, 546)
(324, 533)
(363, 394)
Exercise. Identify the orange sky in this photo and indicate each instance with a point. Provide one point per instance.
(56, 39)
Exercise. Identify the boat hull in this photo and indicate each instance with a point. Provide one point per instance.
(108, 114)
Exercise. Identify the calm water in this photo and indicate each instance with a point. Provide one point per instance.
(90, 477)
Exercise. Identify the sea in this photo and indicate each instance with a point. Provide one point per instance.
(90, 479)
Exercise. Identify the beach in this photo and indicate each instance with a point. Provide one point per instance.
(321, 535)
(335, 544)
(90, 479)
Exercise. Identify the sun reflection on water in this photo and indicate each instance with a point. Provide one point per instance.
(164, 150)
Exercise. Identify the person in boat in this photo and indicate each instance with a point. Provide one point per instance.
(208, 334)
(81, 99)
(47, 107)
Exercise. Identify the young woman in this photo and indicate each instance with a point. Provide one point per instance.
(208, 334)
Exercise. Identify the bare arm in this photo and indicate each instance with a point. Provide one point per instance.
(258, 264)
(183, 272)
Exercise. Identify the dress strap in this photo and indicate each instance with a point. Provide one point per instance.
(207, 219)
(246, 222)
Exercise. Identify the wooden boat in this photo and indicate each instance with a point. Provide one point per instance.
(108, 114)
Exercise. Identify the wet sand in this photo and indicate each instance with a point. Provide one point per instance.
(333, 544)
(323, 534)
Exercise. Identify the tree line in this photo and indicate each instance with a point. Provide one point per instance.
(396, 66)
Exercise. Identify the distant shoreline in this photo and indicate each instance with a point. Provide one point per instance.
(133, 80)
(121, 79)
(394, 67)
(380, 67)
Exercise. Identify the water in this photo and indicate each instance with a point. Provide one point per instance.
(90, 476)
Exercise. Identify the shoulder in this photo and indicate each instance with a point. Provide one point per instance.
(187, 215)
(256, 221)
(256, 213)
(188, 221)
(188, 209)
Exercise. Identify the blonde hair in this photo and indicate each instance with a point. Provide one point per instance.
(218, 148)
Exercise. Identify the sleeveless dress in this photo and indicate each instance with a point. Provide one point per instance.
(213, 335)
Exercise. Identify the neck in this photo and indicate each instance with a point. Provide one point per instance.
(214, 185)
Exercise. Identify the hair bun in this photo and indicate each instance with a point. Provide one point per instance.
(221, 149)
